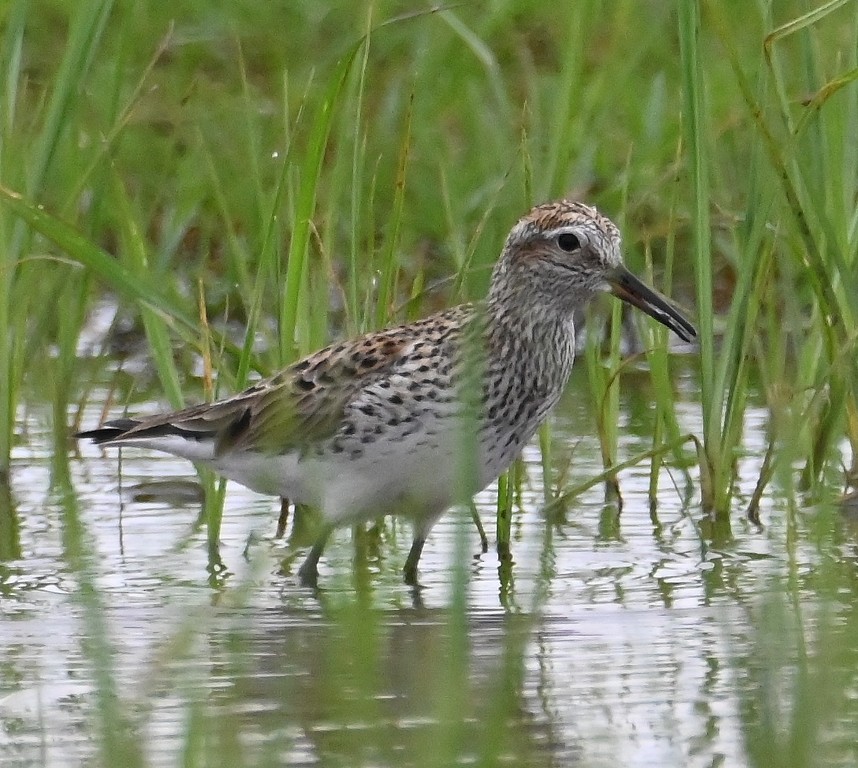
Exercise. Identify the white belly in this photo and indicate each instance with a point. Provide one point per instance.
(415, 480)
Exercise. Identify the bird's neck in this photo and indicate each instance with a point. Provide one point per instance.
(534, 344)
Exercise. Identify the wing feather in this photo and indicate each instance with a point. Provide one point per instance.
(302, 404)
(305, 403)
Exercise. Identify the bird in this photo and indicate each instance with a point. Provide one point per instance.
(415, 418)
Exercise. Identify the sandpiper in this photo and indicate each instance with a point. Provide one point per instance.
(413, 419)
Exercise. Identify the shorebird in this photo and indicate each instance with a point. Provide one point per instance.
(415, 418)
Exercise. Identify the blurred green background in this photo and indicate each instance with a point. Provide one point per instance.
(217, 188)
(306, 170)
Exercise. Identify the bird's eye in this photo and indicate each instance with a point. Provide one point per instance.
(568, 242)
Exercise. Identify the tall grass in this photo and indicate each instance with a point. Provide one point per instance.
(209, 172)
(791, 240)
(311, 200)
(347, 161)
(25, 160)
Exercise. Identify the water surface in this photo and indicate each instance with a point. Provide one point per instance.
(616, 639)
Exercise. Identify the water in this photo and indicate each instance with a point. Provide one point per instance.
(617, 639)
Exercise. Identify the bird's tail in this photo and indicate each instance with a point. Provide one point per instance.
(109, 431)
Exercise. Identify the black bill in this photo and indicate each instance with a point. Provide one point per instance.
(624, 285)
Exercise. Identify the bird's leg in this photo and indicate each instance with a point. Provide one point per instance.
(475, 516)
(283, 519)
(309, 570)
(410, 569)
(423, 523)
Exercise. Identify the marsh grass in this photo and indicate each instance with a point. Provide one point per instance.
(208, 171)
(802, 176)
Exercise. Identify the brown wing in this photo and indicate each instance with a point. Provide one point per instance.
(305, 403)
(301, 405)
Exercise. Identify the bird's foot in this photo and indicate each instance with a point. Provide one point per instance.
(410, 569)
(308, 574)
(410, 574)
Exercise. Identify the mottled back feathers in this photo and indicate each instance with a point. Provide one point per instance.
(310, 401)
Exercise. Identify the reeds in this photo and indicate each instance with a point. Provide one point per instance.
(782, 232)
(315, 184)
(788, 249)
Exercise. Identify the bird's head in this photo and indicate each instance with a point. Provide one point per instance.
(561, 254)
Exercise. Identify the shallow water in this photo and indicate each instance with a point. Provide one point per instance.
(616, 639)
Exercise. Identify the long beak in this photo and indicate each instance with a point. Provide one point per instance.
(624, 285)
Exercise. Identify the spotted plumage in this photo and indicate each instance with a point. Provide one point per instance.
(411, 419)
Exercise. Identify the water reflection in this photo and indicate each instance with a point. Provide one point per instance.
(376, 687)
(634, 637)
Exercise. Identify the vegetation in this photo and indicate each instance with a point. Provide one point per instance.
(241, 184)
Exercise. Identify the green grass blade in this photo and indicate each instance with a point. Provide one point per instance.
(695, 125)
(305, 205)
(139, 288)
